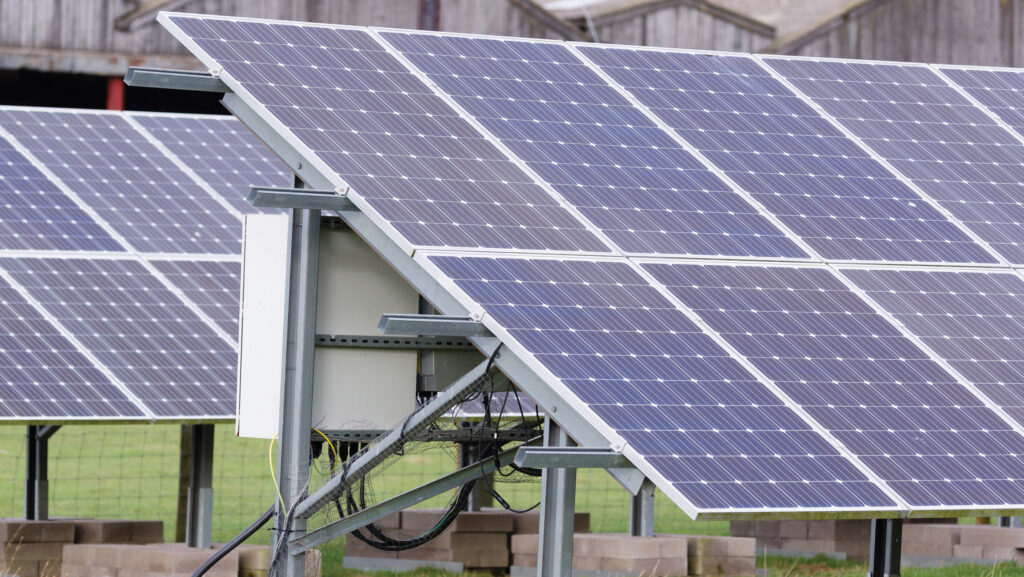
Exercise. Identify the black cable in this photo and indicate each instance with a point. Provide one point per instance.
(232, 544)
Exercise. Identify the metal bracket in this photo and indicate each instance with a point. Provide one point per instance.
(174, 80)
(379, 342)
(570, 458)
(299, 198)
(436, 325)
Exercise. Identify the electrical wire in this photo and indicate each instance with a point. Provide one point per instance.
(273, 474)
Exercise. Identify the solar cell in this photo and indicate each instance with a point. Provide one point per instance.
(801, 168)
(221, 151)
(934, 136)
(928, 437)
(973, 320)
(690, 414)
(36, 215)
(213, 286)
(43, 375)
(130, 184)
(600, 153)
(999, 90)
(403, 151)
(152, 342)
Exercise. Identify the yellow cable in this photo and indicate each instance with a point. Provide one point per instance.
(333, 450)
(273, 475)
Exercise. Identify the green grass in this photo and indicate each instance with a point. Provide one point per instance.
(131, 472)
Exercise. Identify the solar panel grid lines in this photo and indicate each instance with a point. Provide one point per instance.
(560, 121)
(221, 151)
(950, 368)
(231, 208)
(156, 345)
(135, 188)
(995, 254)
(213, 286)
(929, 133)
(933, 441)
(860, 494)
(357, 140)
(121, 245)
(970, 319)
(86, 352)
(784, 155)
(35, 215)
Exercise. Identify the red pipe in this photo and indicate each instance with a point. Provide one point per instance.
(115, 93)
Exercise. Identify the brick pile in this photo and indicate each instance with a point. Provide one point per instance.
(727, 556)
(159, 560)
(33, 548)
(662, 555)
(477, 540)
(253, 561)
(969, 542)
(848, 536)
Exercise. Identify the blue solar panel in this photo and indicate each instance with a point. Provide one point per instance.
(153, 343)
(817, 181)
(937, 138)
(130, 184)
(928, 437)
(623, 173)
(222, 152)
(973, 320)
(693, 415)
(214, 287)
(36, 215)
(43, 375)
(1001, 91)
(424, 169)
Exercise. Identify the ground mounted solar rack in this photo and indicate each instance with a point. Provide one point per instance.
(675, 249)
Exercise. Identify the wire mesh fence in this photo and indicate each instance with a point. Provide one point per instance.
(133, 472)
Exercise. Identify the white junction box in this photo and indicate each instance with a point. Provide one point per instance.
(354, 388)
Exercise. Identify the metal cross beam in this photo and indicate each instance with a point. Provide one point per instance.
(299, 198)
(570, 458)
(174, 80)
(434, 325)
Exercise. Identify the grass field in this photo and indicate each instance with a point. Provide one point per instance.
(131, 472)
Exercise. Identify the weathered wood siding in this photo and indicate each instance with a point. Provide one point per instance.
(60, 28)
(980, 32)
(683, 24)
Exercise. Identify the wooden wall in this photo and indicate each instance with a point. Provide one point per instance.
(694, 24)
(979, 32)
(80, 35)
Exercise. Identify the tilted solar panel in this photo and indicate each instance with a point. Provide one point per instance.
(43, 375)
(374, 125)
(213, 286)
(222, 153)
(973, 320)
(802, 169)
(131, 185)
(688, 411)
(36, 215)
(592, 146)
(152, 342)
(929, 132)
(927, 436)
(999, 90)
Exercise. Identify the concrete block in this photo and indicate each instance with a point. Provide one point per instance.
(586, 563)
(19, 568)
(253, 557)
(932, 533)
(357, 548)
(462, 541)
(809, 545)
(767, 528)
(466, 522)
(794, 530)
(673, 546)
(35, 552)
(731, 566)
(19, 531)
(999, 553)
(524, 544)
(615, 546)
(529, 523)
(741, 529)
(524, 560)
(968, 551)
(938, 549)
(705, 546)
(991, 536)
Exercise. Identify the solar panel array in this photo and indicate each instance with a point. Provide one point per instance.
(119, 262)
(699, 253)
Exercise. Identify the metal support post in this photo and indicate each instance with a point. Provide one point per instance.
(479, 497)
(1014, 522)
(293, 459)
(641, 511)
(199, 521)
(886, 540)
(37, 485)
(557, 510)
